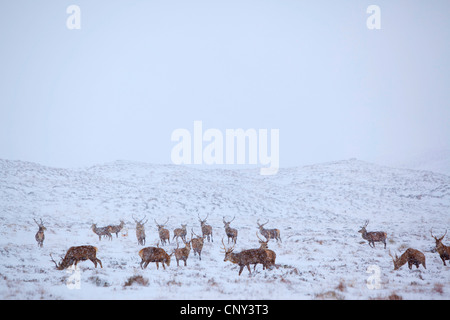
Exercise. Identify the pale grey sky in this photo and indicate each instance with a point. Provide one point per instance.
(137, 70)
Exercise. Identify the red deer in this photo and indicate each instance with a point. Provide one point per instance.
(75, 254)
(412, 256)
(153, 254)
(40, 234)
(164, 234)
(245, 258)
(116, 229)
(271, 255)
(140, 230)
(269, 233)
(374, 236)
(103, 231)
(183, 253)
(197, 244)
(444, 251)
(206, 229)
(180, 232)
(231, 233)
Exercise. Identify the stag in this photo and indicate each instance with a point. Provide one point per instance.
(40, 234)
(245, 258)
(140, 230)
(374, 236)
(412, 256)
(180, 232)
(116, 229)
(153, 254)
(197, 244)
(444, 251)
(271, 255)
(269, 233)
(75, 254)
(231, 233)
(206, 229)
(164, 234)
(182, 253)
(103, 231)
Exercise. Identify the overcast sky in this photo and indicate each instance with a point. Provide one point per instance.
(137, 70)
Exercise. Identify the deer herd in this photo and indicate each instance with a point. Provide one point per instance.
(262, 255)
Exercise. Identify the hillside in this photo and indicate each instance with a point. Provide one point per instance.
(318, 209)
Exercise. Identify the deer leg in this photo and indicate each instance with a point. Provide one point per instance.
(240, 269)
(249, 271)
(99, 261)
(443, 260)
(157, 265)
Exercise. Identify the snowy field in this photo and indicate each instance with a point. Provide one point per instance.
(318, 209)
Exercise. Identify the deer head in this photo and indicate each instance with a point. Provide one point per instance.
(40, 225)
(363, 228)
(161, 226)
(438, 240)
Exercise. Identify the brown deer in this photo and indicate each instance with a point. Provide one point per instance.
(40, 234)
(153, 254)
(197, 244)
(182, 253)
(116, 229)
(444, 251)
(269, 233)
(103, 231)
(245, 258)
(374, 236)
(180, 232)
(164, 234)
(231, 233)
(271, 255)
(412, 256)
(75, 254)
(206, 229)
(140, 230)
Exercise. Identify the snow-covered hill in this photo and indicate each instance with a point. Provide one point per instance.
(318, 209)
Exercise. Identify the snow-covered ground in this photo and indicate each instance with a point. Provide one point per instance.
(318, 209)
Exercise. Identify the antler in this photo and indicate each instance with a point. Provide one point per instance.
(57, 265)
(261, 240)
(261, 225)
(393, 259)
(139, 221)
(39, 224)
(225, 249)
(436, 238)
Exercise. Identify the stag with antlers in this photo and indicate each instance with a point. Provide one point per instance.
(75, 254)
(245, 258)
(206, 229)
(164, 234)
(231, 233)
(444, 251)
(40, 234)
(412, 256)
(268, 233)
(374, 236)
(271, 255)
(140, 230)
